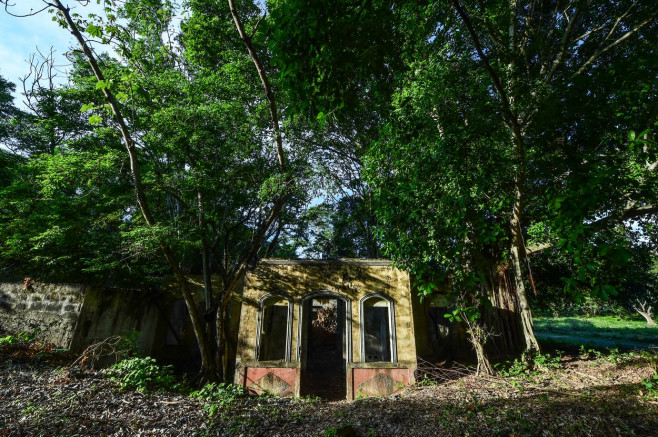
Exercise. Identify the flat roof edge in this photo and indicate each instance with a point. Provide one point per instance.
(321, 262)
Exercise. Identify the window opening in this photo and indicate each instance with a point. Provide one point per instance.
(439, 324)
(377, 338)
(273, 329)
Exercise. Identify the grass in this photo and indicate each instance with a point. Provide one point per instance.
(607, 328)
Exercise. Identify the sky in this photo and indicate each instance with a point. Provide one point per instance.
(20, 37)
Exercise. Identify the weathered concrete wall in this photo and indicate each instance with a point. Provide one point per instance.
(52, 308)
(354, 279)
(73, 316)
(114, 311)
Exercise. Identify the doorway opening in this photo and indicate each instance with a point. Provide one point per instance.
(324, 348)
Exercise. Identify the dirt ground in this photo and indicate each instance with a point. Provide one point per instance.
(583, 396)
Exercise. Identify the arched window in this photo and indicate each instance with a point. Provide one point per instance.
(378, 342)
(274, 328)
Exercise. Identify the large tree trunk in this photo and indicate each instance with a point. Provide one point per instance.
(503, 318)
(506, 94)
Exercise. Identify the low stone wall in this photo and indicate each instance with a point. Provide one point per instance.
(53, 309)
(73, 316)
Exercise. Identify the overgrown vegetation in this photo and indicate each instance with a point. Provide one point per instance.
(216, 396)
(465, 140)
(529, 366)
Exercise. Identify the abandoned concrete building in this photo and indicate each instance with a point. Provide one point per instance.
(338, 329)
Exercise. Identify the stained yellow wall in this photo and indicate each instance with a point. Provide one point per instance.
(353, 278)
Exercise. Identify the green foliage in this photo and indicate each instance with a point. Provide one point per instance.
(530, 365)
(29, 336)
(651, 385)
(8, 340)
(325, 53)
(222, 393)
(447, 163)
(23, 336)
(141, 374)
(215, 396)
(342, 229)
(128, 344)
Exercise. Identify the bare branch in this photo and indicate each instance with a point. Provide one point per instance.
(539, 248)
(563, 48)
(485, 60)
(265, 81)
(618, 20)
(614, 44)
(30, 14)
(253, 32)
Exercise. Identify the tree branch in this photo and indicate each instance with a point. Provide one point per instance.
(265, 81)
(563, 47)
(612, 45)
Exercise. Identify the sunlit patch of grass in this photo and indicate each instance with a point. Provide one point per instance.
(602, 327)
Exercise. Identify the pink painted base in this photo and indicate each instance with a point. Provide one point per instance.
(401, 378)
(255, 374)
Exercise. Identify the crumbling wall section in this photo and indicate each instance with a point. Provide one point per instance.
(73, 316)
(116, 311)
(50, 309)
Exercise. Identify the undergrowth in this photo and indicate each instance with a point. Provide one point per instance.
(216, 395)
(142, 374)
(529, 366)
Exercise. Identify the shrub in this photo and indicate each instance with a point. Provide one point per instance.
(222, 393)
(529, 366)
(141, 374)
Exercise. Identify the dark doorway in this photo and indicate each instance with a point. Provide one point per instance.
(324, 351)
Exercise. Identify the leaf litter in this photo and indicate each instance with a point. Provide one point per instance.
(585, 396)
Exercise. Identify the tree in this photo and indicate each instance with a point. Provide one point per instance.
(507, 114)
(504, 122)
(7, 108)
(196, 142)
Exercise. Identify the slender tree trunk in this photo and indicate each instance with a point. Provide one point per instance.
(484, 365)
(517, 252)
(208, 365)
(648, 318)
(207, 359)
(222, 330)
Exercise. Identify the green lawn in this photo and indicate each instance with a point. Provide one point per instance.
(602, 328)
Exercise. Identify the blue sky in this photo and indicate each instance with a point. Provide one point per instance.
(19, 37)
